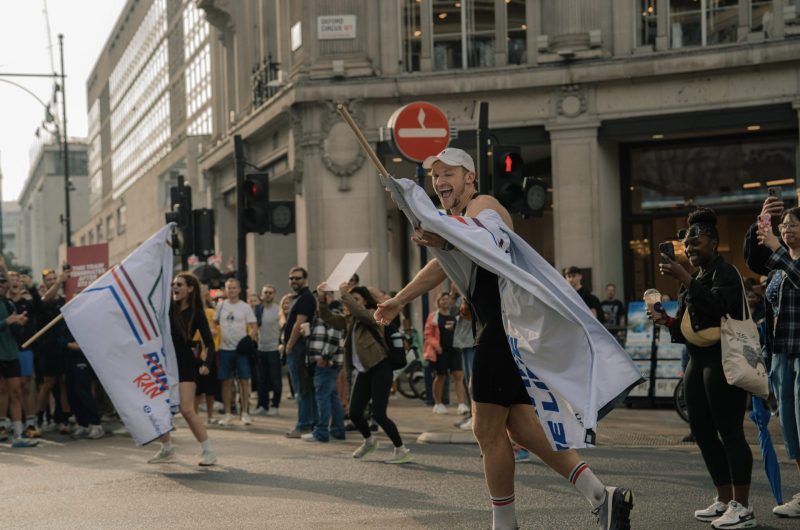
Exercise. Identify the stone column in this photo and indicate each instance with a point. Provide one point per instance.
(569, 22)
(662, 32)
(426, 25)
(586, 213)
(533, 18)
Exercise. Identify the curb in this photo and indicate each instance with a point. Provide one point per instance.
(447, 438)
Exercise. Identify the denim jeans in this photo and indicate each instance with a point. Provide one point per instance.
(328, 404)
(785, 378)
(468, 357)
(269, 378)
(304, 392)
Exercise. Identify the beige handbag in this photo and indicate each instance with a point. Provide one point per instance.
(741, 352)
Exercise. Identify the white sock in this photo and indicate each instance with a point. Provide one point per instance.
(166, 446)
(584, 480)
(206, 446)
(504, 513)
(30, 421)
(17, 426)
(370, 440)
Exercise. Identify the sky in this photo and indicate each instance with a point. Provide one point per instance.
(86, 25)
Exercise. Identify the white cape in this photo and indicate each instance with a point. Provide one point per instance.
(573, 368)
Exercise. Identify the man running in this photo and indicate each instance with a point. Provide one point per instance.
(501, 404)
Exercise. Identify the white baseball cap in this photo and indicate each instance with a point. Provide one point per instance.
(452, 156)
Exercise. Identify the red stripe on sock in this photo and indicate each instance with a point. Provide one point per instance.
(503, 503)
(578, 472)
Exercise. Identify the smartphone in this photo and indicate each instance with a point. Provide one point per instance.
(668, 249)
(774, 191)
(765, 221)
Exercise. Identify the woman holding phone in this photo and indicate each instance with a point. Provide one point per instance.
(716, 409)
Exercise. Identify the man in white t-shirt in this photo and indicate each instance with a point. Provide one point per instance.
(236, 321)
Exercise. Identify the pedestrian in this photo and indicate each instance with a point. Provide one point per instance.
(26, 300)
(206, 382)
(269, 359)
(445, 358)
(783, 333)
(80, 382)
(286, 303)
(574, 276)
(187, 316)
(366, 352)
(501, 404)
(613, 309)
(716, 408)
(239, 333)
(300, 315)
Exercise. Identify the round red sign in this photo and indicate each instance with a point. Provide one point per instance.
(419, 130)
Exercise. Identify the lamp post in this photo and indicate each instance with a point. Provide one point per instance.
(67, 223)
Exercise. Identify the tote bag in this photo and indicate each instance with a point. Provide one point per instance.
(741, 352)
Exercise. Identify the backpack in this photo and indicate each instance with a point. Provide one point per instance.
(259, 313)
(393, 343)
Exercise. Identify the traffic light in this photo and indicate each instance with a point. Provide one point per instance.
(508, 177)
(203, 233)
(256, 203)
(534, 197)
(181, 214)
(281, 217)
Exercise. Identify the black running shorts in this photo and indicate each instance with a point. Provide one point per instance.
(495, 376)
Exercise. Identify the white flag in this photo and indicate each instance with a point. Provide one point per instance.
(573, 368)
(121, 322)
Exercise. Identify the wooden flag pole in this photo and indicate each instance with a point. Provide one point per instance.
(348, 119)
(42, 331)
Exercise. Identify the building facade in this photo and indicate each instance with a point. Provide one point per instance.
(633, 111)
(10, 225)
(40, 241)
(149, 112)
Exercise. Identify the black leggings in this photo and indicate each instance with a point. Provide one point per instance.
(716, 410)
(375, 384)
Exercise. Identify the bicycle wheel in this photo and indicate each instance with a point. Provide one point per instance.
(404, 385)
(680, 402)
(416, 380)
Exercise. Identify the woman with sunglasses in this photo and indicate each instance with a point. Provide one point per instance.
(716, 409)
(187, 317)
(783, 336)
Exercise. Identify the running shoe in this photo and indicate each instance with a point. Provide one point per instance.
(246, 419)
(20, 442)
(63, 428)
(789, 509)
(401, 455)
(80, 432)
(96, 432)
(163, 456)
(272, 412)
(714, 511)
(225, 421)
(207, 458)
(211, 421)
(260, 411)
(615, 512)
(369, 445)
(463, 408)
(466, 424)
(736, 516)
(439, 408)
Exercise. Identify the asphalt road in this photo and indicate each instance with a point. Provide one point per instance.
(264, 480)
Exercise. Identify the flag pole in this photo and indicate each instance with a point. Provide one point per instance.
(348, 119)
(42, 331)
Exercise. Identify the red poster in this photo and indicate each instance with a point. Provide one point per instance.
(87, 264)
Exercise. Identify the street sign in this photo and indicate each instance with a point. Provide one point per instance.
(419, 130)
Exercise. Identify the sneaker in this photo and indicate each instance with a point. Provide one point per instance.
(63, 428)
(369, 445)
(466, 425)
(401, 455)
(225, 421)
(522, 455)
(246, 419)
(207, 458)
(211, 421)
(714, 511)
(463, 408)
(439, 409)
(96, 432)
(218, 407)
(272, 412)
(790, 509)
(736, 516)
(49, 426)
(31, 432)
(20, 442)
(294, 433)
(310, 437)
(80, 432)
(163, 456)
(260, 411)
(615, 512)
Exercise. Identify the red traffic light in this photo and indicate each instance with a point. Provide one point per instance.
(255, 188)
(512, 162)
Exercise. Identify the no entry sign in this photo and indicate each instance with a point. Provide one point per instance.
(419, 130)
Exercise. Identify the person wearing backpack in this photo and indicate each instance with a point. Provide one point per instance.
(365, 350)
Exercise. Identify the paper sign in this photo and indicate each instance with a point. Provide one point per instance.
(345, 269)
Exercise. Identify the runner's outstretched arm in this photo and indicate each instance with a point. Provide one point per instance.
(429, 277)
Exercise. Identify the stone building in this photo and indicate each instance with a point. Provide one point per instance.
(633, 112)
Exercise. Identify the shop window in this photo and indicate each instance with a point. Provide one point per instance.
(517, 31)
(412, 35)
(720, 174)
(703, 22)
(479, 17)
(646, 23)
(447, 36)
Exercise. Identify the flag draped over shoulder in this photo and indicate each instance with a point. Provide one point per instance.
(121, 322)
(573, 368)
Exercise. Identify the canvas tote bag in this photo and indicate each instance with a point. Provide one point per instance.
(741, 352)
